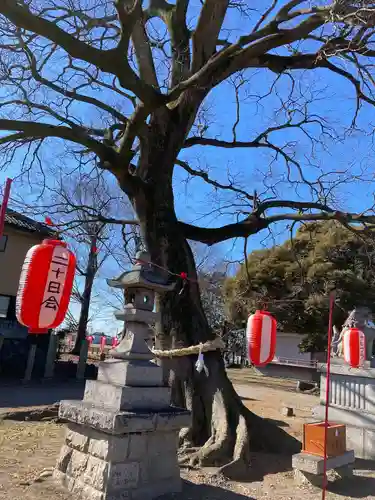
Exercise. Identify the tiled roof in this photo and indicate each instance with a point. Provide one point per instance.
(24, 223)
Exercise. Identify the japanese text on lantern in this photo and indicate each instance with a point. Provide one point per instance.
(45, 286)
(54, 284)
(55, 280)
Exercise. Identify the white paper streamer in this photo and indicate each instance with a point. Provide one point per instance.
(200, 365)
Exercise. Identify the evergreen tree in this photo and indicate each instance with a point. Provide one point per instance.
(293, 281)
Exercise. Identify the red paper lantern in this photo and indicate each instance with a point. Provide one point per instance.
(45, 286)
(354, 347)
(261, 338)
(114, 342)
(103, 340)
(89, 339)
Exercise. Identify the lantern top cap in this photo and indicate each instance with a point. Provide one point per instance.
(55, 242)
(143, 275)
(261, 311)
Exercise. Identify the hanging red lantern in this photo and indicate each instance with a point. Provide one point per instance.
(354, 347)
(114, 342)
(103, 341)
(90, 339)
(261, 338)
(45, 286)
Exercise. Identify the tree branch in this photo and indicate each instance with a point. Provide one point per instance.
(142, 48)
(207, 31)
(34, 130)
(211, 236)
(21, 16)
(255, 223)
(68, 93)
(112, 61)
(180, 38)
(203, 175)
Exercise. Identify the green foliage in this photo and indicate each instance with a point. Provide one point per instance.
(302, 272)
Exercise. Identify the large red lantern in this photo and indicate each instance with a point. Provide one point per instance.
(261, 338)
(354, 347)
(45, 286)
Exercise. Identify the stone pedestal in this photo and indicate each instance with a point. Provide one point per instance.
(121, 441)
(352, 402)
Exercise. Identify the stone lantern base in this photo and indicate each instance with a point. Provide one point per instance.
(122, 439)
(115, 455)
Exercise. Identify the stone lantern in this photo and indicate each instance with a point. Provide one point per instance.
(122, 439)
(142, 282)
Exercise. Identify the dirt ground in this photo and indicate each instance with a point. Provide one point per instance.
(29, 448)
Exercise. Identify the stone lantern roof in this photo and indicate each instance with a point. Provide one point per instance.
(143, 275)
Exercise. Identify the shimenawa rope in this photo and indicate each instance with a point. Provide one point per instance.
(210, 345)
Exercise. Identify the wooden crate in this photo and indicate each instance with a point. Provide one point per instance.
(313, 439)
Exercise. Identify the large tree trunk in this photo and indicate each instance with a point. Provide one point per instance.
(223, 430)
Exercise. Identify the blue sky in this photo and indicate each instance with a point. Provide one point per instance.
(332, 98)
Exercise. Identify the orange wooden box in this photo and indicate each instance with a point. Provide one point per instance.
(313, 439)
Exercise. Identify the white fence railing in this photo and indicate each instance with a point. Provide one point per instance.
(305, 363)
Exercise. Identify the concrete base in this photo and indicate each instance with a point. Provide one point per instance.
(135, 462)
(308, 469)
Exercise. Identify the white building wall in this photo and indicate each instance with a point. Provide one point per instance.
(287, 347)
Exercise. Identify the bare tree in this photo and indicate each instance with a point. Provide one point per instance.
(126, 85)
(75, 206)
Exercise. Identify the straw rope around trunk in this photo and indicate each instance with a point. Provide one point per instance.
(210, 345)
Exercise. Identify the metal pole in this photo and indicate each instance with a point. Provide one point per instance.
(4, 204)
(331, 306)
(81, 366)
(30, 363)
(51, 356)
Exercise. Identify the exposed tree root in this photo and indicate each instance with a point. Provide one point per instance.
(235, 431)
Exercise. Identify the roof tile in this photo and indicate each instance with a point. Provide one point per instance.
(24, 223)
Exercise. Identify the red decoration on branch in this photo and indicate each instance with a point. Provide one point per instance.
(48, 221)
(183, 276)
(261, 338)
(4, 204)
(90, 339)
(115, 342)
(45, 286)
(354, 347)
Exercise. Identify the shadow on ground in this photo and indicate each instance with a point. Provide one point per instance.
(208, 492)
(279, 423)
(261, 465)
(364, 465)
(357, 487)
(39, 394)
(361, 485)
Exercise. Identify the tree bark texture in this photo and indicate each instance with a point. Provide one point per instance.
(224, 431)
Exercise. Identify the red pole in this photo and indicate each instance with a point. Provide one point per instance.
(331, 306)
(4, 205)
